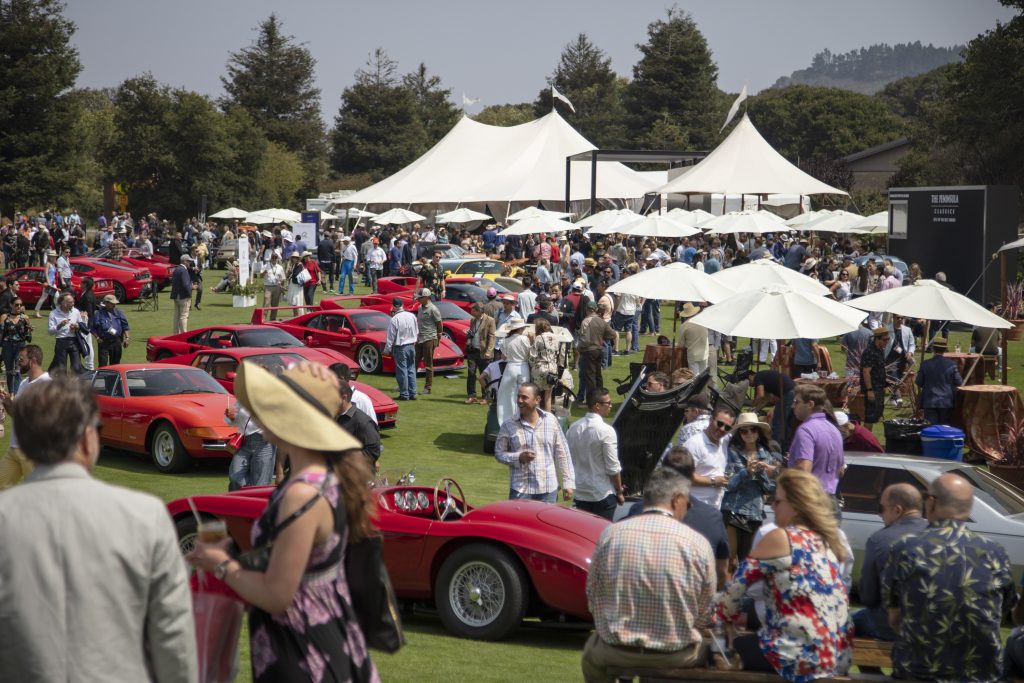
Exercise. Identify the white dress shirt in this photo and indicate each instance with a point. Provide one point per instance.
(273, 274)
(594, 448)
(402, 330)
(709, 460)
(57, 315)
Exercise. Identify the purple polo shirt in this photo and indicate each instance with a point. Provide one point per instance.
(819, 441)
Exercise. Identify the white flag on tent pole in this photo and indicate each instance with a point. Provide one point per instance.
(734, 108)
(469, 101)
(555, 93)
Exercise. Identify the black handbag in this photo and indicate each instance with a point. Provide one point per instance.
(373, 598)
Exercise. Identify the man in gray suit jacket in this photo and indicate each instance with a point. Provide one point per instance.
(92, 584)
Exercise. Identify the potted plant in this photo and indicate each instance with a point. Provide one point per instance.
(1012, 309)
(243, 296)
(1010, 445)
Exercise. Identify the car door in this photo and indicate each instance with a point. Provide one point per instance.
(198, 342)
(343, 334)
(108, 389)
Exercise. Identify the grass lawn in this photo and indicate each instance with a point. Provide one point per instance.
(437, 435)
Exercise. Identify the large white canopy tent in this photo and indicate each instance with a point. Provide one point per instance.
(505, 168)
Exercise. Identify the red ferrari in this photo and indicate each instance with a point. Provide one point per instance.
(222, 364)
(173, 413)
(397, 284)
(359, 333)
(218, 337)
(128, 281)
(484, 568)
(455, 321)
(32, 278)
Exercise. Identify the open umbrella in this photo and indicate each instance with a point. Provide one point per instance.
(659, 226)
(358, 213)
(397, 217)
(807, 217)
(461, 216)
(539, 224)
(608, 222)
(274, 216)
(779, 312)
(674, 282)
(875, 224)
(930, 300)
(745, 221)
(700, 217)
(688, 217)
(324, 216)
(763, 272)
(534, 212)
(233, 212)
(836, 221)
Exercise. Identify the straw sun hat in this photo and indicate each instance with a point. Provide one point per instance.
(296, 406)
(750, 420)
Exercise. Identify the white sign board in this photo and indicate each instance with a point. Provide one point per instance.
(243, 261)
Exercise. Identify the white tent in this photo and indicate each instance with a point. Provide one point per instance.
(746, 164)
(477, 163)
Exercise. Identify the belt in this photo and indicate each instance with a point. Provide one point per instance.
(645, 650)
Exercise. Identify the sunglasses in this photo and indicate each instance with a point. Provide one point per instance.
(723, 426)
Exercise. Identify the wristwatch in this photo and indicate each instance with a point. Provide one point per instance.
(221, 570)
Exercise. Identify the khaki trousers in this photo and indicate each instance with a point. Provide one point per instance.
(14, 467)
(181, 309)
(599, 656)
(272, 297)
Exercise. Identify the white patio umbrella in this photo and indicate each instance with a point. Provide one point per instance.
(358, 213)
(324, 216)
(659, 226)
(608, 222)
(259, 219)
(534, 212)
(230, 213)
(462, 215)
(836, 221)
(699, 217)
(397, 217)
(930, 300)
(688, 217)
(745, 221)
(779, 312)
(539, 224)
(764, 272)
(804, 218)
(875, 224)
(275, 216)
(674, 282)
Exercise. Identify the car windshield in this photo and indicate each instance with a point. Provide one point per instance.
(275, 362)
(993, 491)
(170, 382)
(450, 311)
(454, 251)
(268, 336)
(370, 321)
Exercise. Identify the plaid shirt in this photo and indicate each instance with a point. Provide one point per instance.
(651, 583)
(547, 441)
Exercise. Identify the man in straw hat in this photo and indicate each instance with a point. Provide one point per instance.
(938, 378)
(110, 326)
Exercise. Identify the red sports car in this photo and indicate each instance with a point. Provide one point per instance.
(465, 290)
(356, 332)
(218, 337)
(222, 364)
(174, 413)
(484, 568)
(455, 321)
(32, 278)
(397, 284)
(158, 266)
(128, 281)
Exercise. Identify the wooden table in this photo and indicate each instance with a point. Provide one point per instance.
(665, 358)
(835, 389)
(964, 361)
(984, 412)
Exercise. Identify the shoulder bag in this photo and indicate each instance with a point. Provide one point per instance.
(373, 598)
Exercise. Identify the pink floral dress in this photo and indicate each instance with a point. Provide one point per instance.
(317, 638)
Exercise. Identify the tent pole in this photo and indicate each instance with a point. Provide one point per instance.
(593, 181)
(1002, 299)
(568, 181)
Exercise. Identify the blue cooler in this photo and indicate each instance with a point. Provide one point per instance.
(942, 441)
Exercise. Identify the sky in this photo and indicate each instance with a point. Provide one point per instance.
(500, 52)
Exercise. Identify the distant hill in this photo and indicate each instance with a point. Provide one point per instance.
(869, 69)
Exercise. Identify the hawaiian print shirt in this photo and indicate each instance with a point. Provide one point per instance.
(951, 587)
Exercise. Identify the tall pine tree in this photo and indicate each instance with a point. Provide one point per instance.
(273, 80)
(434, 108)
(584, 75)
(673, 99)
(38, 68)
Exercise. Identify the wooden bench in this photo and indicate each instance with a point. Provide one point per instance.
(722, 676)
(868, 652)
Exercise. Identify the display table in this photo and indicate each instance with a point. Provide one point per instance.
(964, 361)
(984, 412)
(665, 358)
(835, 389)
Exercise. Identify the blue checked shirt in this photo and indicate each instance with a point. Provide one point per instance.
(547, 441)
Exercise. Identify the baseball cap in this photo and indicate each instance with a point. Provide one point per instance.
(396, 302)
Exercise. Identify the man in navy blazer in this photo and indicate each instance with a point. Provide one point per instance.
(938, 378)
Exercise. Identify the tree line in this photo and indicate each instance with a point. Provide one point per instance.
(264, 142)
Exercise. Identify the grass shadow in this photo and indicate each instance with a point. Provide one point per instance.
(460, 443)
(532, 633)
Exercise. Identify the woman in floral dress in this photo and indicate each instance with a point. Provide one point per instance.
(807, 634)
(301, 625)
(15, 333)
(543, 358)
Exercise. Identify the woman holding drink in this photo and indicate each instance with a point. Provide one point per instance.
(301, 625)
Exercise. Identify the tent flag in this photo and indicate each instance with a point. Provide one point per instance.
(734, 108)
(469, 101)
(555, 93)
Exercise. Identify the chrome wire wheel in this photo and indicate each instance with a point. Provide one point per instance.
(476, 594)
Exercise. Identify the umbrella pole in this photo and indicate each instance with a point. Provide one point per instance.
(1002, 295)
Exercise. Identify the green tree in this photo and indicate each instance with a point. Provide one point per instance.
(377, 129)
(38, 67)
(804, 121)
(273, 80)
(908, 96)
(278, 175)
(584, 75)
(506, 114)
(674, 84)
(434, 108)
(94, 130)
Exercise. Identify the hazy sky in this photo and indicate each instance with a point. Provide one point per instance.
(497, 51)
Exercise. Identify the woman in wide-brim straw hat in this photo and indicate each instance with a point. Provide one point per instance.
(751, 468)
(302, 617)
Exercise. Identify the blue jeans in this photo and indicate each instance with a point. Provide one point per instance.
(405, 369)
(542, 497)
(602, 508)
(372, 276)
(11, 351)
(650, 323)
(346, 273)
(253, 464)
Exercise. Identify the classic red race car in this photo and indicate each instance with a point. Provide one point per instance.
(128, 281)
(357, 332)
(484, 568)
(218, 337)
(222, 364)
(31, 280)
(173, 413)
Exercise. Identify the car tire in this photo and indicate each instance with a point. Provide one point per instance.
(368, 357)
(169, 456)
(187, 529)
(481, 592)
(119, 292)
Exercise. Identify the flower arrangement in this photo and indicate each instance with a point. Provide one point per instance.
(1013, 306)
(248, 289)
